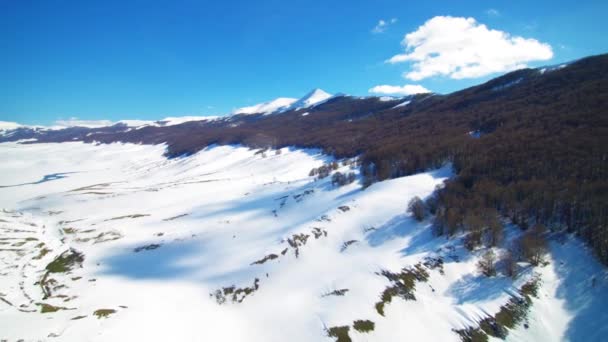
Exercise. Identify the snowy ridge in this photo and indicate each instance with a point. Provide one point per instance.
(267, 107)
(9, 128)
(313, 98)
(168, 121)
(171, 121)
(6, 125)
(283, 104)
(550, 68)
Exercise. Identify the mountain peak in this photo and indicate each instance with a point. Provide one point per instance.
(317, 92)
(313, 97)
(283, 104)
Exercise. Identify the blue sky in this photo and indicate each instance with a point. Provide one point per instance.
(151, 59)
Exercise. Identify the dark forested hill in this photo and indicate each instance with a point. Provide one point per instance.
(531, 145)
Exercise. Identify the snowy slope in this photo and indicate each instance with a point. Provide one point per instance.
(6, 125)
(170, 121)
(283, 104)
(9, 127)
(314, 97)
(160, 236)
(267, 107)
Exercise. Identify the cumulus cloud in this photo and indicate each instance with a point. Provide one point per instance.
(463, 48)
(383, 25)
(75, 122)
(408, 89)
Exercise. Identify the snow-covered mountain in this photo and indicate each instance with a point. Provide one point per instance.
(283, 104)
(168, 121)
(267, 107)
(314, 97)
(176, 120)
(8, 129)
(7, 125)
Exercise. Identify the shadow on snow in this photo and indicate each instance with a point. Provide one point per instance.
(585, 298)
(160, 263)
(46, 178)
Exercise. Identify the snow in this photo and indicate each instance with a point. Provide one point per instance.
(403, 104)
(283, 104)
(6, 125)
(75, 122)
(573, 297)
(314, 97)
(267, 107)
(553, 67)
(507, 85)
(216, 212)
(137, 123)
(170, 121)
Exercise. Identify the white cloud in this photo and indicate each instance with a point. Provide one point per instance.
(75, 122)
(463, 48)
(493, 12)
(383, 25)
(408, 89)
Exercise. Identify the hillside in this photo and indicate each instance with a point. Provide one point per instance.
(236, 244)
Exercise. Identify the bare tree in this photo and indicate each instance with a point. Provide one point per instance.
(416, 208)
(474, 224)
(533, 244)
(510, 265)
(487, 264)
